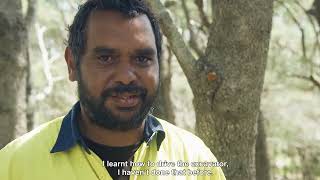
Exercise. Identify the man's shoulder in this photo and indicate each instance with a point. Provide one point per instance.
(41, 138)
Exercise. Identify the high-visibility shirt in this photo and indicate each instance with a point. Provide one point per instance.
(181, 155)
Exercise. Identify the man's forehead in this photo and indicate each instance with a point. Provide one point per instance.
(101, 17)
(114, 28)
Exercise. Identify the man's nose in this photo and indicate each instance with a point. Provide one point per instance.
(125, 74)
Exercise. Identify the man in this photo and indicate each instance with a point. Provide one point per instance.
(114, 49)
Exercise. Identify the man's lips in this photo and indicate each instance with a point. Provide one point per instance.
(126, 100)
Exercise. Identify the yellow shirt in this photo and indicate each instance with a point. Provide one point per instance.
(29, 158)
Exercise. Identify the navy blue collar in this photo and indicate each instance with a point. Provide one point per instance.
(69, 134)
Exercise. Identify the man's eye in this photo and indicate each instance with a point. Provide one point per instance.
(143, 60)
(105, 59)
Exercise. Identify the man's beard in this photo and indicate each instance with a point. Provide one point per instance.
(104, 117)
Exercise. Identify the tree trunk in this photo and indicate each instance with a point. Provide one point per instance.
(227, 112)
(227, 81)
(262, 158)
(164, 107)
(12, 71)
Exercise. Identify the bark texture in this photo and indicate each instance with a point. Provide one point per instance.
(262, 158)
(12, 71)
(237, 52)
(227, 81)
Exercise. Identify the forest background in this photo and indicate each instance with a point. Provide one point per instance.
(290, 98)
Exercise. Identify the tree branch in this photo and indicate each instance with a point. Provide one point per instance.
(203, 17)
(46, 65)
(185, 58)
(310, 78)
(315, 10)
(316, 43)
(315, 82)
(192, 41)
(29, 18)
(316, 32)
(295, 20)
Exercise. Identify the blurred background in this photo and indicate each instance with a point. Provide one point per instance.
(290, 103)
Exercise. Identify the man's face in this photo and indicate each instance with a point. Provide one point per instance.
(119, 71)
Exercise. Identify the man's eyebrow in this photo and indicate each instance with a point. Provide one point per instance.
(145, 51)
(104, 50)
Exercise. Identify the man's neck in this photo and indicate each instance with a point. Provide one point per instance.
(108, 137)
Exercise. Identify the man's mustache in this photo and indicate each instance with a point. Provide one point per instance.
(122, 88)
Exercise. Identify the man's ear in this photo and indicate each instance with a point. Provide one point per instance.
(71, 64)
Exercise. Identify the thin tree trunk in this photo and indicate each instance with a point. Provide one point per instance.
(12, 71)
(164, 107)
(262, 158)
(29, 20)
(30, 112)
